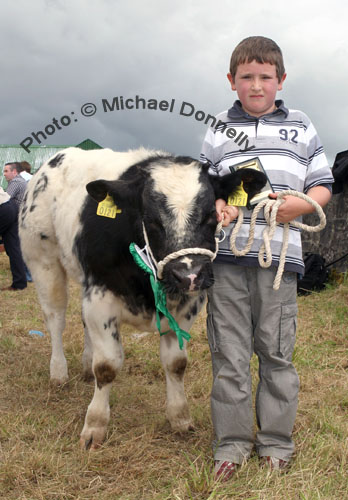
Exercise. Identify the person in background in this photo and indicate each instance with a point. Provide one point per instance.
(9, 234)
(16, 184)
(16, 188)
(26, 174)
(26, 171)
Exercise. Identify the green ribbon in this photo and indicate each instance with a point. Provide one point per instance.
(160, 300)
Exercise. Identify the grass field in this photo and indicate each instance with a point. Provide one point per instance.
(40, 457)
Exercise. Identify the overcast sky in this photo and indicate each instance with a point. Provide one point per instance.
(59, 55)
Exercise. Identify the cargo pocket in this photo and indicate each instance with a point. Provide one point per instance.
(288, 323)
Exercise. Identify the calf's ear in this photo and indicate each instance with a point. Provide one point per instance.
(98, 189)
(225, 185)
(126, 193)
(253, 182)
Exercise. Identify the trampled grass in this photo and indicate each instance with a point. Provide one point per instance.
(142, 458)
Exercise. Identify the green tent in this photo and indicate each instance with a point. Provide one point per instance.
(37, 156)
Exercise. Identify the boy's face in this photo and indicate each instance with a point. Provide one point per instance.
(256, 85)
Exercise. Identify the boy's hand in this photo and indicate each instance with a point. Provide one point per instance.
(230, 213)
(294, 207)
(219, 205)
(224, 212)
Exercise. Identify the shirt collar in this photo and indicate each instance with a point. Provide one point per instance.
(237, 111)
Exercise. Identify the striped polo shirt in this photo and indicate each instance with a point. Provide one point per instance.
(290, 151)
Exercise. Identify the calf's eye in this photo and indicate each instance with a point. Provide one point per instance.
(209, 219)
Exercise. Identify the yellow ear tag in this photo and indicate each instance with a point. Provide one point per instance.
(239, 198)
(107, 208)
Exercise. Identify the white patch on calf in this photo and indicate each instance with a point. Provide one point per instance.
(181, 193)
(188, 261)
(192, 279)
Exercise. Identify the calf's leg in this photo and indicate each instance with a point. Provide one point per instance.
(51, 284)
(100, 311)
(174, 363)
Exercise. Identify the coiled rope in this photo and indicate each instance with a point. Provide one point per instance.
(270, 213)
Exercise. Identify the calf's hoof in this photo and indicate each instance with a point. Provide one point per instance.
(58, 382)
(58, 372)
(92, 438)
(180, 419)
(93, 434)
(182, 426)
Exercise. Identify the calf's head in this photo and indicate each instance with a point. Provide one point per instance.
(175, 198)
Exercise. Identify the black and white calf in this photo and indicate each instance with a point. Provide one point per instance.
(63, 236)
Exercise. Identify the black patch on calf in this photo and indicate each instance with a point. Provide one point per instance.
(104, 374)
(178, 367)
(111, 321)
(44, 236)
(194, 309)
(24, 207)
(116, 335)
(56, 160)
(102, 248)
(192, 312)
(40, 187)
(182, 302)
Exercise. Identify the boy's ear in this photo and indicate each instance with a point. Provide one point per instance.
(231, 80)
(280, 84)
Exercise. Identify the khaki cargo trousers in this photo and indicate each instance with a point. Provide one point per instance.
(245, 315)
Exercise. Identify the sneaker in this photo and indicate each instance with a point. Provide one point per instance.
(275, 463)
(224, 470)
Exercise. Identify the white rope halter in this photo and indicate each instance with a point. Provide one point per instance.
(174, 255)
(270, 212)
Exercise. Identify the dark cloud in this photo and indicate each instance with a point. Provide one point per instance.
(59, 55)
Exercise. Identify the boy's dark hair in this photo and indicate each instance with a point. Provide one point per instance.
(259, 49)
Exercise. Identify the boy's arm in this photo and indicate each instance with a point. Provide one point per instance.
(294, 207)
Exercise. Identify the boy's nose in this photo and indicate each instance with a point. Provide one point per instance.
(256, 84)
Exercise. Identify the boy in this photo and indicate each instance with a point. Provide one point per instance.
(245, 314)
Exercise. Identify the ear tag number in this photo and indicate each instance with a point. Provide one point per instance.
(239, 198)
(107, 208)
